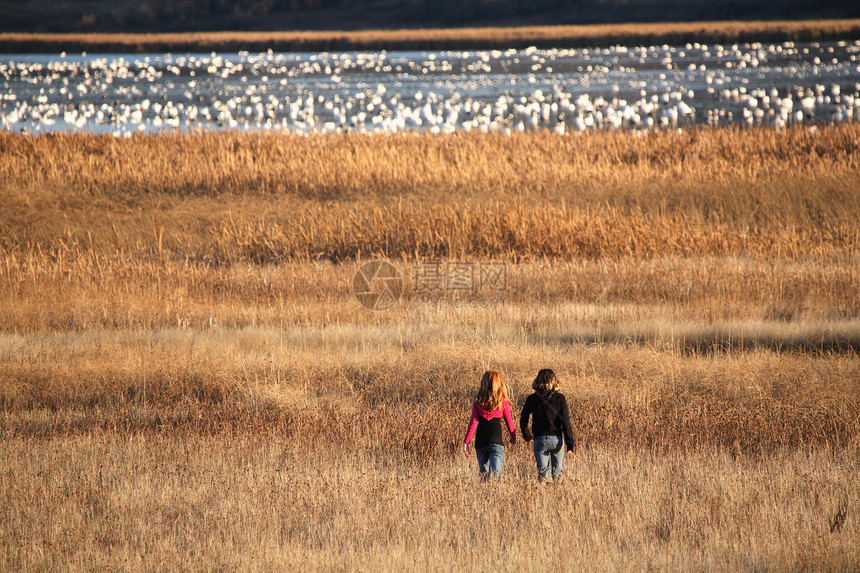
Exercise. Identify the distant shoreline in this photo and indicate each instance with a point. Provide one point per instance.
(597, 35)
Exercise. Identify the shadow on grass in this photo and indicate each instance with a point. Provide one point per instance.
(712, 341)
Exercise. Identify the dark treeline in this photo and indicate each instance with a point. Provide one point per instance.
(208, 15)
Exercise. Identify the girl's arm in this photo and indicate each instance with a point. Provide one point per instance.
(566, 428)
(473, 425)
(524, 420)
(509, 420)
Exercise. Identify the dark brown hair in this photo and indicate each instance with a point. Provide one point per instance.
(546, 380)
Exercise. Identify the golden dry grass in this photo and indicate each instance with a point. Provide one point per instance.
(335, 447)
(267, 198)
(246, 502)
(355, 382)
(186, 381)
(441, 39)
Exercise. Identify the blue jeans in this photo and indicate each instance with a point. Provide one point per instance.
(549, 454)
(490, 460)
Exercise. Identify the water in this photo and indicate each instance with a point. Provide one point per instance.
(562, 90)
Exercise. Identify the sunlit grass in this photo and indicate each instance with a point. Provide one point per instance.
(186, 380)
(442, 39)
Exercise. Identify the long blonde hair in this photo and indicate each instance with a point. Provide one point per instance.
(492, 393)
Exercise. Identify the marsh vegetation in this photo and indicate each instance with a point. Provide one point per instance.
(187, 382)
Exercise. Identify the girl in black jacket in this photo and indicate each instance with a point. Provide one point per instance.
(551, 430)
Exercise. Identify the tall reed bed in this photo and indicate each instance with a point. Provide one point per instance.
(676, 300)
(443, 39)
(186, 380)
(246, 502)
(354, 382)
(229, 198)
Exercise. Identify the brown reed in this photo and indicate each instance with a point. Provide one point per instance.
(443, 39)
(187, 382)
(230, 198)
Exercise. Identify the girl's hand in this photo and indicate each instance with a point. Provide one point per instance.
(466, 450)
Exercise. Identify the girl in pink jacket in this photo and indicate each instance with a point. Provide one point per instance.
(490, 407)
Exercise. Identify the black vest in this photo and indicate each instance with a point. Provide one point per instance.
(488, 432)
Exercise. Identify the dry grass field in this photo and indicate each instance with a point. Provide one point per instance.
(441, 38)
(187, 382)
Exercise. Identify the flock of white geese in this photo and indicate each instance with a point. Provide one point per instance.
(560, 90)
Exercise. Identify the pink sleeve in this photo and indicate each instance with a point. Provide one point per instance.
(506, 412)
(473, 425)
